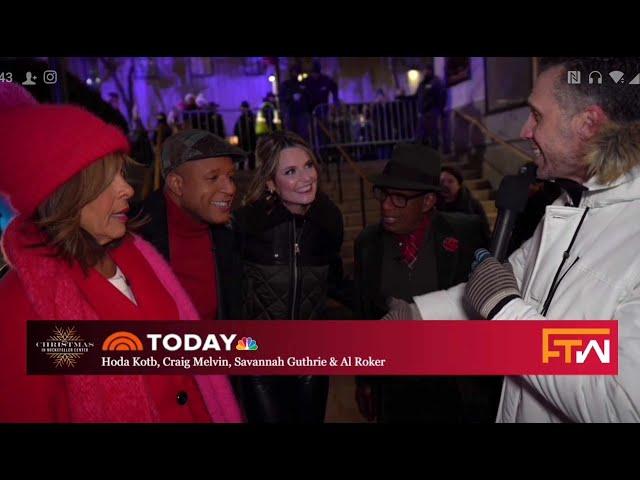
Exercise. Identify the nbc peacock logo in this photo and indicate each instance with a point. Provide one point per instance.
(246, 343)
(122, 342)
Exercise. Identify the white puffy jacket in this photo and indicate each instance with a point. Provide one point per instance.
(603, 285)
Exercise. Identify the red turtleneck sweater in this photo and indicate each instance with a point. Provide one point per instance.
(192, 259)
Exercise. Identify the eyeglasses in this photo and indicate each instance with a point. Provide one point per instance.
(398, 199)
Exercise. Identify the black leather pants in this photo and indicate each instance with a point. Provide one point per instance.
(284, 399)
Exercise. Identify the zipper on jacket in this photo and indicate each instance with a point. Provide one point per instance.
(296, 250)
(296, 274)
(555, 283)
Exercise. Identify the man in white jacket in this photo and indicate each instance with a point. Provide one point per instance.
(583, 261)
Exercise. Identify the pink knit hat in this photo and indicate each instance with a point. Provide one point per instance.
(14, 95)
(44, 146)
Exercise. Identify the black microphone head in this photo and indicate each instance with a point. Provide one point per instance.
(529, 169)
(511, 200)
(513, 192)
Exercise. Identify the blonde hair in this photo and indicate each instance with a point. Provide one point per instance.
(59, 215)
(268, 153)
(614, 152)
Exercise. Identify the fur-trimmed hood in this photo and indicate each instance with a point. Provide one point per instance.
(614, 152)
(614, 165)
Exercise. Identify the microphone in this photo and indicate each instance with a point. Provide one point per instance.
(511, 199)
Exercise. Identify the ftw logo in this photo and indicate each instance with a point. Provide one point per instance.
(575, 337)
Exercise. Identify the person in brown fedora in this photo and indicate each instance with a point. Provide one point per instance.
(414, 249)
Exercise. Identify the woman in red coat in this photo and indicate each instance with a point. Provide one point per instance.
(72, 257)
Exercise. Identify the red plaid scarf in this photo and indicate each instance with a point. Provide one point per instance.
(410, 243)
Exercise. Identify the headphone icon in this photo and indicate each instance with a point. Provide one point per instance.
(598, 80)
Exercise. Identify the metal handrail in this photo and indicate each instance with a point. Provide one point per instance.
(518, 151)
(347, 157)
(363, 178)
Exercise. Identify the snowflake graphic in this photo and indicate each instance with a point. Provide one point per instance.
(64, 334)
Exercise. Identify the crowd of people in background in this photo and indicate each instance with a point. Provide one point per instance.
(303, 101)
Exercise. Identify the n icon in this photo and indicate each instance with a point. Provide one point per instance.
(573, 77)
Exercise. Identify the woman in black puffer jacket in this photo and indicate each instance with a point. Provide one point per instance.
(289, 236)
